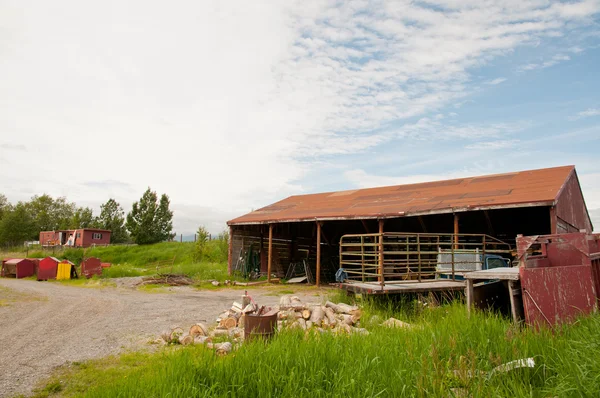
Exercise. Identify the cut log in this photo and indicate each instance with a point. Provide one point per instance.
(285, 301)
(236, 332)
(202, 339)
(186, 340)
(302, 323)
(294, 307)
(306, 314)
(295, 300)
(309, 324)
(360, 331)
(228, 323)
(356, 315)
(341, 308)
(166, 336)
(347, 319)
(176, 333)
(215, 283)
(198, 330)
(317, 315)
(219, 332)
(396, 323)
(330, 316)
(236, 307)
(223, 348)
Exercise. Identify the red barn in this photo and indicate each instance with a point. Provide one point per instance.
(84, 237)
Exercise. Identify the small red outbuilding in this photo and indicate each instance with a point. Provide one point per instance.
(47, 268)
(18, 267)
(91, 266)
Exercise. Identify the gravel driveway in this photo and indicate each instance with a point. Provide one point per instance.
(47, 324)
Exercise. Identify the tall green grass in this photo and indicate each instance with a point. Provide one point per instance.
(445, 350)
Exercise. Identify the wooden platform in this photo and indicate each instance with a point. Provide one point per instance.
(434, 285)
(502, 273)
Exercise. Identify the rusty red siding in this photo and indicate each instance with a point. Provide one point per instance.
(94, 237)
(570, 210)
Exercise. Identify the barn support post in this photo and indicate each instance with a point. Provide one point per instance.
(381, 276)
(270, 255)
(318, 276)
(229, 252)
(455, 245)
(553, 229)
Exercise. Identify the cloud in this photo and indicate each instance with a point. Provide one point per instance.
(229, 105)
(496, 81)
(590, 112)
(13, 147)
(546, 64)
(493, 145)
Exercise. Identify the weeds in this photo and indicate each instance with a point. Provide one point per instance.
(446, 353)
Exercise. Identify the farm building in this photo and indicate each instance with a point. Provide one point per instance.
(495, 209)
(75, 237)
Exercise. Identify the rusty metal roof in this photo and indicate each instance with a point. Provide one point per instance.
(524, 188)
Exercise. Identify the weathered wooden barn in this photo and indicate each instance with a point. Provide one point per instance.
(308, 228)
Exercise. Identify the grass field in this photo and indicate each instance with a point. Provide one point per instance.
(134, 260)
(445, 354)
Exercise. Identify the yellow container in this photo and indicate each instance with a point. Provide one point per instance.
(64, 271)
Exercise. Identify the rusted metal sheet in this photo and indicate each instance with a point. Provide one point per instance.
(91, 266)
(571, 212)
(525, 188)
(554, 295)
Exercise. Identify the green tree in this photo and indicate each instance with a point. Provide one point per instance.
(112, 217)
(51, 214)
(83, 218)
(150, 221)
(5, 206)
(17, 225)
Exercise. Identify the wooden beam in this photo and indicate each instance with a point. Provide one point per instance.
(230, 251)
(456, 231)
(324, 237)
(423, 226)
(553, 220)
(318, 276)
(364, 223)
(270, 258)
(381, 278)
(489, 223)
(470, 295)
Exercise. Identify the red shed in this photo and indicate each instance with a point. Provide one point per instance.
(47, 268)
(91, 266)
(18, 267)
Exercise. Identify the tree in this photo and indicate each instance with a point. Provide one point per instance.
(17, 225)
(5, 206)
(83, 218)
(150, 221)
(112, 217)
(50, 214)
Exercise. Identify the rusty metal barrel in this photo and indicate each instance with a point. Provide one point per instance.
(259, 326)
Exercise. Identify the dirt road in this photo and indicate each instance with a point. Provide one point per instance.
(45, 324)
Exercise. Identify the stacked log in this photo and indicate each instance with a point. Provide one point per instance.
(342, 318)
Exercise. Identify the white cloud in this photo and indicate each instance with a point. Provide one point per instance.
(496, 81)
(493, 145)
(590, 112)
(221, 104)
(546, 64)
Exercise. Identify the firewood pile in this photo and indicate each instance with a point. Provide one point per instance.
(292, 313)
(167, 279)
(337, 318)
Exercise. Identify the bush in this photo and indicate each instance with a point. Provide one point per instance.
(215, 251)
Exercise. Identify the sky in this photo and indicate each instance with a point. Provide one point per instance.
(230, 106)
